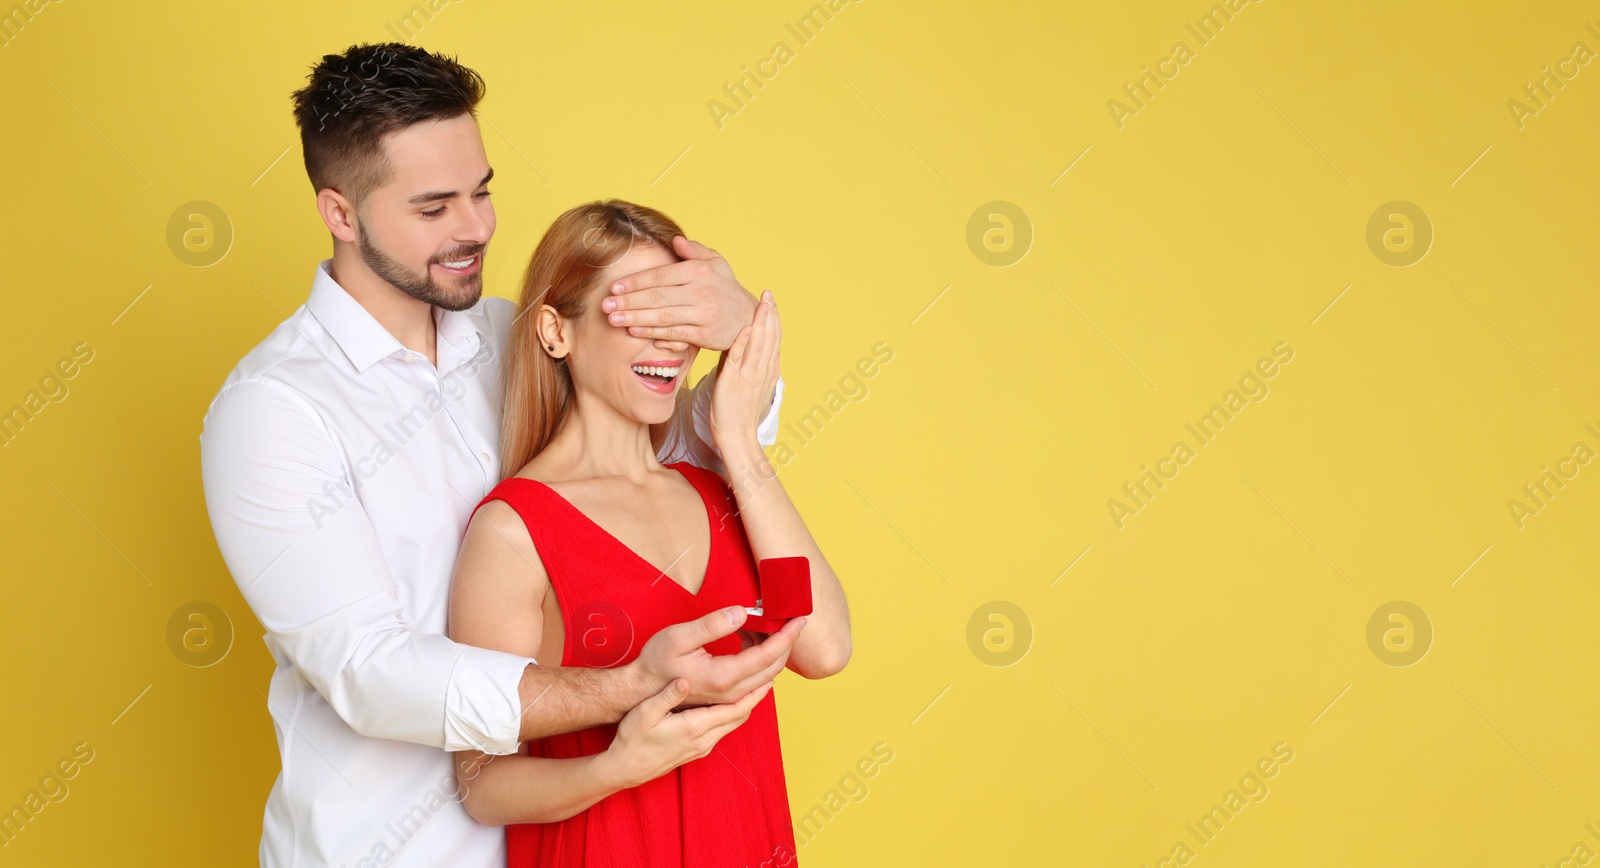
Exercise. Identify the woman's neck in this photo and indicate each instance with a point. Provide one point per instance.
(596, 441)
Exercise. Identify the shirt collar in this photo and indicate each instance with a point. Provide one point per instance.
(456, 338)
(364, 340)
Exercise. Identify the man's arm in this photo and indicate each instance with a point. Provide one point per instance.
(307, 560)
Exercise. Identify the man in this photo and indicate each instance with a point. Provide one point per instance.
(343, 456)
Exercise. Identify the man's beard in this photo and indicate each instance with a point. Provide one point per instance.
(422, 286)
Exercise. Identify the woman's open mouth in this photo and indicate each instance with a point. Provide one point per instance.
(660, 377)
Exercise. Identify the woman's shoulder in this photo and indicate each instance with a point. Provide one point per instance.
(517, 497)
(510, 491)
(539, 468)
(499, 546)
(541, 476)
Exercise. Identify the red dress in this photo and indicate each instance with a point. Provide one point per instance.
(729, 807)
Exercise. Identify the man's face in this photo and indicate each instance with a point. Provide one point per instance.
(425, 231)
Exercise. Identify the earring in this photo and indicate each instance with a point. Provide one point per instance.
(550, 347)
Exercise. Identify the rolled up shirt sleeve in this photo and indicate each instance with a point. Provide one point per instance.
(307, 559)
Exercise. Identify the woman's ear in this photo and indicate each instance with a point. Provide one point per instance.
(554, 332)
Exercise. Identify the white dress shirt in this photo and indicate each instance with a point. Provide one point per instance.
(340, 469)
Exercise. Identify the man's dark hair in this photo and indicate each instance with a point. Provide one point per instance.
(352, 100)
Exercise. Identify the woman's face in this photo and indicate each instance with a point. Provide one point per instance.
(638, 377)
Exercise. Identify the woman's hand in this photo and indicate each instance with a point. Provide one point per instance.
(747, 376)
(652, 739)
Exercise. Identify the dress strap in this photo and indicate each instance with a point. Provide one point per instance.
(577, 564)
(720, 503)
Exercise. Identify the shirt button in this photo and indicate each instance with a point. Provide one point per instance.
(485, 455)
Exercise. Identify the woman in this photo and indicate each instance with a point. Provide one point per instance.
(592, 546)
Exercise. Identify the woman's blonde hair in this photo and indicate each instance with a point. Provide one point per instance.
(577, 247)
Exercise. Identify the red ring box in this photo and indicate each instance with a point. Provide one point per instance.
(785, 593)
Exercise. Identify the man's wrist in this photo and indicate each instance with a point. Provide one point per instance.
(748, 302)
(741, 309)
(631, 685)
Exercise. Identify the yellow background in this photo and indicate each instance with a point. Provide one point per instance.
(1226, 617)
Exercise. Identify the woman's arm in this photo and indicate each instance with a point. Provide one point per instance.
(771, 522)
(496, 601)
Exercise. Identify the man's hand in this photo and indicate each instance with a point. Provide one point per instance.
(678, 652)
(696, 300)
